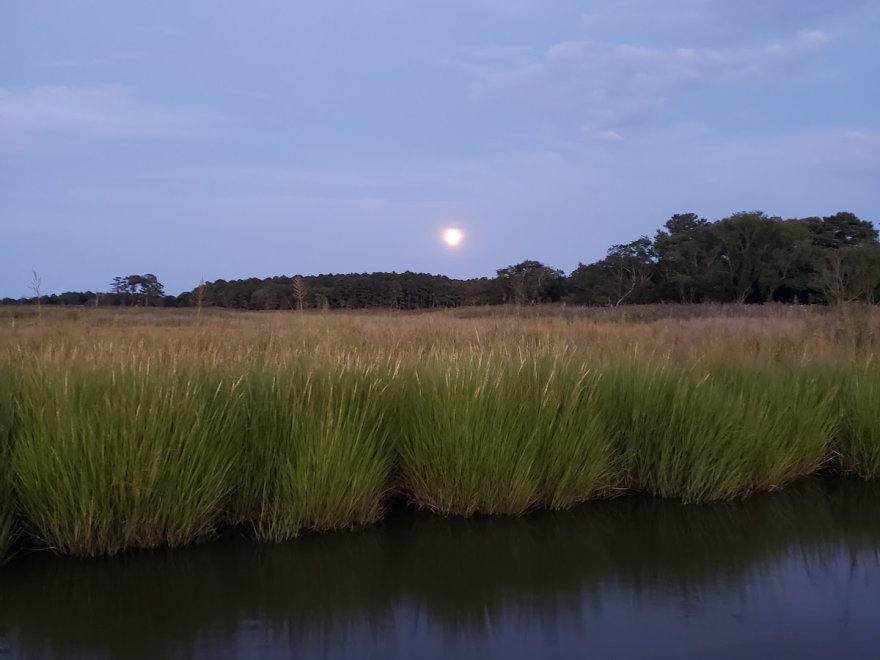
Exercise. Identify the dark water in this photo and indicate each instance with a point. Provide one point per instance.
(794, 574)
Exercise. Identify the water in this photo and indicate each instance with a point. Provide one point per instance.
(794, 574)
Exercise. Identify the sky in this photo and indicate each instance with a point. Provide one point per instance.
(217, 139)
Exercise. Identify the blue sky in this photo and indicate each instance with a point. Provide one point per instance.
(227, 139)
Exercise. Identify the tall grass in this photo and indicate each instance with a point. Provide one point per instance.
(107, 460)
(8, 507)
(793, 423)
(495, 437)
(131, 430)
(858, 438)
(686, 433)
(316, 454)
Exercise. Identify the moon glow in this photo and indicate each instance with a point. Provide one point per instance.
(453, 237)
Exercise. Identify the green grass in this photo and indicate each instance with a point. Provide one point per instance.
(686, 433)
(858, 438)
(108, 460)
(500, 437)
(316, 454)
(8, 518)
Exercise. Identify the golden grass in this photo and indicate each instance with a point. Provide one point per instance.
(711, 335)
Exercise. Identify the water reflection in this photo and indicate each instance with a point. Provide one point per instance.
(796, 572)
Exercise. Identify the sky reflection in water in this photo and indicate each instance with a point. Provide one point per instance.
(793, 574)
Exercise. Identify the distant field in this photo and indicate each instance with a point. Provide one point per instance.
(131, 428)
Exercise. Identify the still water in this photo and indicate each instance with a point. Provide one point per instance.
(793, 574)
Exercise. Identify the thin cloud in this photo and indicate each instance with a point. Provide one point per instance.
(591, 68)
(43, 116)
(711, 21)
(618, 85)
(92, 62)
(228, 182)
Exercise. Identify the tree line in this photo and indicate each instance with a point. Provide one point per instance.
(747, 257)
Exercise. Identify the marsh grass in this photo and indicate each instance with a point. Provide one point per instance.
(498, 437)
(107, 460)
(138, 428)
(858, 437)
(316, 453)
(8, 507)
(791, 419)
(687, 433)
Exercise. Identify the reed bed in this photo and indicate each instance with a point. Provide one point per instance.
(136, 429)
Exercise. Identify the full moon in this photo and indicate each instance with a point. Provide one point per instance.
(452, 237)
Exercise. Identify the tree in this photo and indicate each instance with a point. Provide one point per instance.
(266, 297)
(751, 247)
(531, 282)
(686, 254)
(132, 288)
(322, 302)
(848, 274)
(631, 266)
(151, 289)
(786, 275)
(119, 285)
(840, 230)
(624, 275)
(136, 288)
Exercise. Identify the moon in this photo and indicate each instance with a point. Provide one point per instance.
(453, 237)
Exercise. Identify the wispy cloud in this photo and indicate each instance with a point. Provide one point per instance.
(236, 183)
(711, 21)
(43, 116)
(91, 62)
(615, 85)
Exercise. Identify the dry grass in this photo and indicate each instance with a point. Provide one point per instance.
(739, 335)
